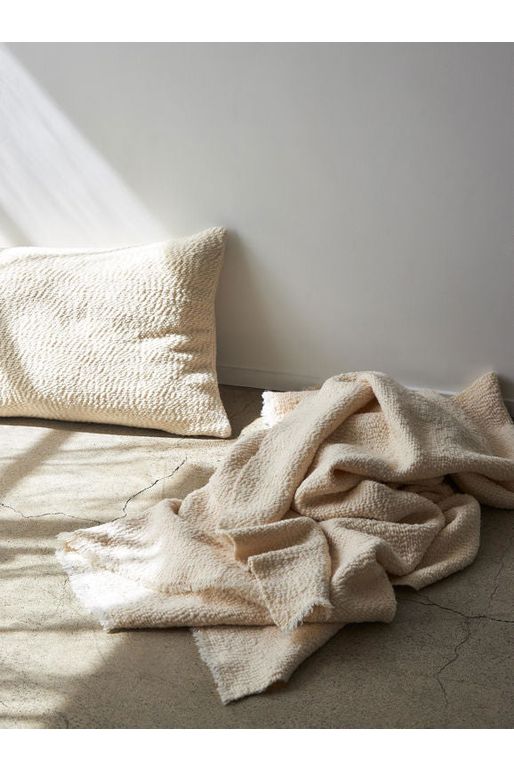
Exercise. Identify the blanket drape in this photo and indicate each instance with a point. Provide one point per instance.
(306, 525)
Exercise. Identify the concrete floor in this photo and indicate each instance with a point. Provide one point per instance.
(445, 661)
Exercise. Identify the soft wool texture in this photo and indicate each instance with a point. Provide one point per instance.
(307, 525)
(122, 336)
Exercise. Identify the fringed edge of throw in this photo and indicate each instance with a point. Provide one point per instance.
(227, 693)
(205, 655)
(80, 575)
(300, 617)
(268, 412)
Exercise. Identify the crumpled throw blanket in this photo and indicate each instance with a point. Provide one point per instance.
(356, 487)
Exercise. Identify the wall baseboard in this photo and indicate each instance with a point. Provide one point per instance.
(277, 381)
(265, 379)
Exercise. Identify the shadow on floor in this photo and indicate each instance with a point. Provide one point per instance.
(443, 662)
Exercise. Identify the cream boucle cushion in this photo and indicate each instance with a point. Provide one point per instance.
(122, 336)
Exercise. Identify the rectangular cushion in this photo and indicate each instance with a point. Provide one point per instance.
(122, 336)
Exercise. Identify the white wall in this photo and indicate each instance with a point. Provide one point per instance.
(368, 189)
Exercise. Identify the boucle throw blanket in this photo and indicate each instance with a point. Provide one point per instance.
(306, 525)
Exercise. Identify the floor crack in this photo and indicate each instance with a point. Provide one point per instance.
(496, 581)
(456, 653)
(147, 488)
(424, 600)
(47, 514)
(429, 602)
(90, 519)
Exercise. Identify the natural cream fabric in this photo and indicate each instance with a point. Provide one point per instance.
(122, 336)
(306, 525)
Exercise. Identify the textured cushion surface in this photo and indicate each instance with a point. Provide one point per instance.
(121, 336)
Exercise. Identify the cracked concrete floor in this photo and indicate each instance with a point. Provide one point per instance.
(445, 661)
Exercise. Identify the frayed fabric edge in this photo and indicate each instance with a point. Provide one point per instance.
(300, 618)
(71, 563)
(268, 412)
(225, 695)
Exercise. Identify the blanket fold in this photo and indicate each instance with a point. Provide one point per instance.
(307, 524)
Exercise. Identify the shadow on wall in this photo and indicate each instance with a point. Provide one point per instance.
(55, 188)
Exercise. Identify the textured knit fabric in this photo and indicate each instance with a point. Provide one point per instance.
(122, 336)
(306, 525)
